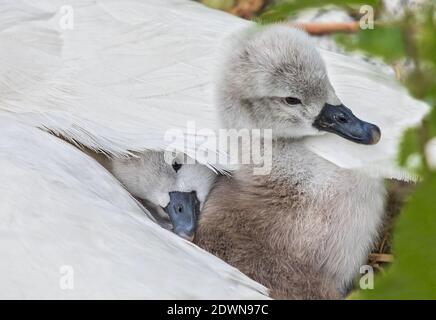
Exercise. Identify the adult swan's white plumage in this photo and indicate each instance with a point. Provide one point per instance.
(125, 73)
(130, 70)
(69, 230)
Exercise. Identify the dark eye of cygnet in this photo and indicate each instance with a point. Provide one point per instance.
(177, 166)
(292, 100)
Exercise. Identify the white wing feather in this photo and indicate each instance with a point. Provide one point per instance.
(61, 212)
(120, 79)
(131, 70)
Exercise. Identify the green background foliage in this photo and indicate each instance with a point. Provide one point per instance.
(280, 10)
(413, 273)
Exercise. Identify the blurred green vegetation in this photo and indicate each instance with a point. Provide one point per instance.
(220, 4)
(410, 39)
(280, 10)
(413, 273)
(385, 42)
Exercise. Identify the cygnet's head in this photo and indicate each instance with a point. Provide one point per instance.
(274, 78)
(178, 189)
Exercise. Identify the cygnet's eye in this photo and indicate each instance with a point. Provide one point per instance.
(176, 166)
(292, 100)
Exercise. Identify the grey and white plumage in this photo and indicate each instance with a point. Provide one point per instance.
(148, 176)
(174, 192)
(308, 216)
(126, 73)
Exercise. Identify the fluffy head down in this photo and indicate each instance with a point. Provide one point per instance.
(150, 178)
(173, 191)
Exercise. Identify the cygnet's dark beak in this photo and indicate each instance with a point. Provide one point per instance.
(183, 210)
(341, 121)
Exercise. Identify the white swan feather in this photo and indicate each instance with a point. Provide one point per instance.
(63, 215)
(129, 71)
